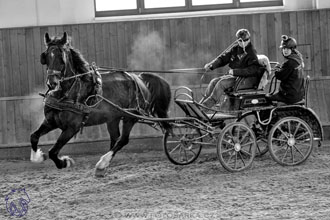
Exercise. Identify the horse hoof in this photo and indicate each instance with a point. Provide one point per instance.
(69, 161)
(38, 156)
(100, 172)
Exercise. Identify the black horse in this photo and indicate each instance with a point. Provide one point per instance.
(73, 82)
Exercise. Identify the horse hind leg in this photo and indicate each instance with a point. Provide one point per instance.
(104, 162)
(37, 156)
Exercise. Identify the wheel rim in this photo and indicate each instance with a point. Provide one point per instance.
(185, 146)
(290, 141)
(236, 147)
(251, 120)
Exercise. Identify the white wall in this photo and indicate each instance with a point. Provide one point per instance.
(322, 4)
(22, 13)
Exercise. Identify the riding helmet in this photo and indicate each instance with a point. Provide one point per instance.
(288, 42)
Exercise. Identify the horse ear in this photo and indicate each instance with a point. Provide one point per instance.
(47, 39)
(64, 39)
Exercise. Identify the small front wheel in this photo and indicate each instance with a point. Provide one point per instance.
(290, 141)
(183, 145)
(251, 119)
(236, 147)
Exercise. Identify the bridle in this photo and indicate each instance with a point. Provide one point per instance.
(60, 74)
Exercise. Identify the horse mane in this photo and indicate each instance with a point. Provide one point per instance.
(79, 62)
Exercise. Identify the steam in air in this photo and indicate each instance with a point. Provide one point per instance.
(152, 52)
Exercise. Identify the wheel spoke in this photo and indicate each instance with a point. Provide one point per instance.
(289, 126)
(227, 150)
(192, 152)
(185, 155)
(177, 146)
(245, 152)
(297, 149)
(302, 135)
(283, 132)
(230, 143)
(240, 155)
(286, 151)
(296, 130)
(281, 148)
(276, 139)
(244, 136)
(231, 155)
(249, 143)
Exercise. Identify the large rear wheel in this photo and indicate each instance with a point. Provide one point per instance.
(290, 141)
(183, 145)
(236, 147)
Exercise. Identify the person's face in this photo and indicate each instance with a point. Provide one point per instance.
(243, 43)
(286, 51)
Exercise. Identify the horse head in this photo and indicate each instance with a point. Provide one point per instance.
(66, 68)
(56, 59)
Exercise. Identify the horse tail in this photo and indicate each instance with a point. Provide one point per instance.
(160, 96)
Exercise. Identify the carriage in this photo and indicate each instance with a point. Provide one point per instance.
(250, 127)
(255, 127)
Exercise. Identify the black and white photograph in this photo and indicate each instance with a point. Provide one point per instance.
(165, 109)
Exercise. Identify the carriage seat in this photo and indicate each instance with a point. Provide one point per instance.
(253, 84)
(302, 102)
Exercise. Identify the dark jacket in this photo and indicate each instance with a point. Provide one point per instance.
(292, 79)
(244, 64)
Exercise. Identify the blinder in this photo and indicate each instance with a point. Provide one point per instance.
(43, 58)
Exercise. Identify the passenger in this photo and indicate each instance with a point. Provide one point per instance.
(243, 61)
(290, 73)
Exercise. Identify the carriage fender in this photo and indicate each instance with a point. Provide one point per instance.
(306, 114)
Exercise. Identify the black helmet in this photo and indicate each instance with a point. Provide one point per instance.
(243, 34)
(288, 42)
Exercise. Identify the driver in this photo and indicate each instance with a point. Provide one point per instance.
(243, 61)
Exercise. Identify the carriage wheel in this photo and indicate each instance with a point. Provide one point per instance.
(290, 141)
(184, 145)
(236, 147)
(251, 120)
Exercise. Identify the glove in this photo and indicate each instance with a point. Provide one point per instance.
(208, 67)
(230, 72)
(277, 66)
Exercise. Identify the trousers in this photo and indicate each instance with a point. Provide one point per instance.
(216, 89)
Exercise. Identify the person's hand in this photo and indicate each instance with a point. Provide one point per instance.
(277, 66)
(208, 67)
(231, 72)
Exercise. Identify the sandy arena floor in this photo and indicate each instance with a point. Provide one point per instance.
(147, 186)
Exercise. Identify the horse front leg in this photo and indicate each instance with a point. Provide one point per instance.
(37, 156)
(64, 161)
(113, 130)
(104, 162)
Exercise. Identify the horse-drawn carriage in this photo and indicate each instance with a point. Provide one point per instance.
(254, 125)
